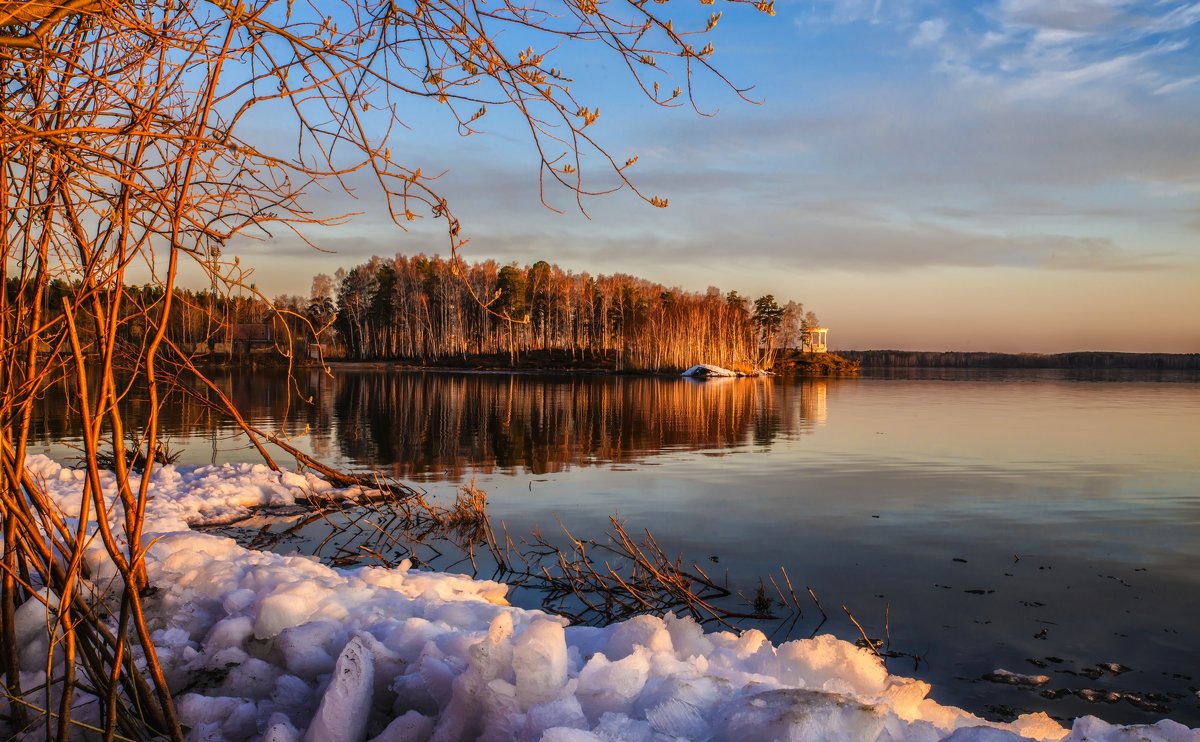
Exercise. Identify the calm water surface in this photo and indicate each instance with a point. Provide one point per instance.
(1029, 522)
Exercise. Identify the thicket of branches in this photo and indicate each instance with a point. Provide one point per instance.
(128, 150)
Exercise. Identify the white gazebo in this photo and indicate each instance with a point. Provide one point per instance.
(815, 340)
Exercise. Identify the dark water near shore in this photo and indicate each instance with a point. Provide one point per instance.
(1038, 522)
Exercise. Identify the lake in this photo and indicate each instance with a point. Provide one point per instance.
(1034, 522)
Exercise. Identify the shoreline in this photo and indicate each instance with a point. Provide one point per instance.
(823, 365)
(846, 363)
(1073, 360)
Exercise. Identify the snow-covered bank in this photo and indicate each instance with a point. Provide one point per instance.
(709, 371)
(705, 371)
(263, 646)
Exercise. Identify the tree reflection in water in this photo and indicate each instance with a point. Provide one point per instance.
(445, 426)
(437, 426)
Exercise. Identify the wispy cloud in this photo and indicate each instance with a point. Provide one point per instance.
(1036, 48)
(1066, 16)
(929, 32)
(1059, 75)
(1176, 85)
(828, 236)
(1089, 47)
(827, 12)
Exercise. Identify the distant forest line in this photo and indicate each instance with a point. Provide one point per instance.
(1074, 360)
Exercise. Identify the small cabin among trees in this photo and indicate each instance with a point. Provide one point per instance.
(248, 337)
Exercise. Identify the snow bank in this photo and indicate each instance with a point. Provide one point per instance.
(261, 646)
(706, 371)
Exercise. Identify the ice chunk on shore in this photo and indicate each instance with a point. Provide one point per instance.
(410, 727)
(219, 717)
(1015, 678)
(611, 686)
(983, 734)
(32, 621)
(284, 608)
(828, 663)
(795, 714)
(540, 662)
(280, 729)
(308, 650)
(346, 705)
(567, 734)
(1091, 729)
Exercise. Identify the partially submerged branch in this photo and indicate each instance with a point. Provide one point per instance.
(594, 581)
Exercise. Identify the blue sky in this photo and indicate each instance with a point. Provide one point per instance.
(1013, 176)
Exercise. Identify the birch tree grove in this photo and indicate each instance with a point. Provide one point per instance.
(129, 154)
(417, 308)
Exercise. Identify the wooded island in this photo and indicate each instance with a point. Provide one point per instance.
(432, 311)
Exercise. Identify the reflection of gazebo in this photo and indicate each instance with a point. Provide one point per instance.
(815, 340)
